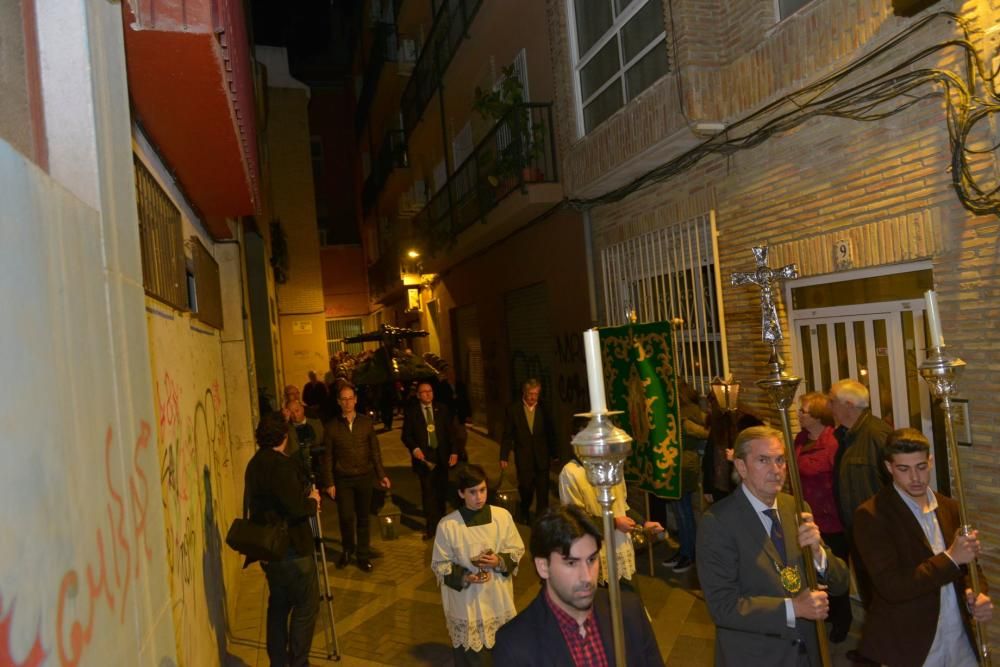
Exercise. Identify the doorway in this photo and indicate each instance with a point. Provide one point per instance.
(868, 326)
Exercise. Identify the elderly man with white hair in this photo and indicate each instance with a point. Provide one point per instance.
(860, 473)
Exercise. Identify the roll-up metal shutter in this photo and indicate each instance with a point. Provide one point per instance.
(529, 338)
(469, 359)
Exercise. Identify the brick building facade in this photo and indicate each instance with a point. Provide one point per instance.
(810, 158)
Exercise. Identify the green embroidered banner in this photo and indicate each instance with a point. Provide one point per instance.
(641, 382)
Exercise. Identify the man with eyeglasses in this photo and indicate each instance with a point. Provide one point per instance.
(352, 461)
(750, 555)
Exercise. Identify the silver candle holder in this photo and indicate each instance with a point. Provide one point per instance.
(602, 448)
(941, 373)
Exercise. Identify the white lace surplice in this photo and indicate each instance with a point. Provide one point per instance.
(575, 489)
(475, 614)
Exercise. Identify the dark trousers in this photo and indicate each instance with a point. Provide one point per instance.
(684, 513)
(533, 484)
(354, 499)
(292, 607)
(433, 492)
(840, 605)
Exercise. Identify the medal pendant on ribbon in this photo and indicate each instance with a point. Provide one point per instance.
(430, 428)
(790, 579)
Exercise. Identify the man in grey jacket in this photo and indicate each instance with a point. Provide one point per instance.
(750, 555)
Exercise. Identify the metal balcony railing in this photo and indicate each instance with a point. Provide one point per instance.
(391, 155)
(519, 150)
(451, 24)
(385, 48)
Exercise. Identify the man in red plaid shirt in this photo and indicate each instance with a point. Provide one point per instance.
(569, 623)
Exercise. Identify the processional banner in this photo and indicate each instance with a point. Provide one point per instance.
(641, 382)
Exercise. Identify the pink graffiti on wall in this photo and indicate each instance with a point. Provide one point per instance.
(36, 655)
(127, 544)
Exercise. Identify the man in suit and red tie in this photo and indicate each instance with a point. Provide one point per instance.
(908, 536)
(428, 432)
(528, 432)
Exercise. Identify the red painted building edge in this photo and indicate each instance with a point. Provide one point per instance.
(192, 92)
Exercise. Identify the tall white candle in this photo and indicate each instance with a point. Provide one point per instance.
(933, 320)
(595, 371)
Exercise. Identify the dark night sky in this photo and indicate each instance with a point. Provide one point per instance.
(320, 35)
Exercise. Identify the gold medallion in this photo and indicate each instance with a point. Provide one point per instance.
(790, 579)
(430, 428)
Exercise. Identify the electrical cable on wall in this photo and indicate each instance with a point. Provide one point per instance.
(892, 91)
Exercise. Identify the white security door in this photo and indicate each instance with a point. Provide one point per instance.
(882, 350)
(869, 327)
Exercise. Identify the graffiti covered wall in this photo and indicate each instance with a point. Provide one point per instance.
(201, 489)
(82, 556)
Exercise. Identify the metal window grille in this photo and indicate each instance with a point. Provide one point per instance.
(671, 274)
(164, 275)
(208, 286)
(336, 330)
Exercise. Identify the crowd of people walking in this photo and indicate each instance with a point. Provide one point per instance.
(870, 511)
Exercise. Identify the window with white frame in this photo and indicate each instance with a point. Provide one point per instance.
(621, 50)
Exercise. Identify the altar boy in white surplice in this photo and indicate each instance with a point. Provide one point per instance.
(476, 551)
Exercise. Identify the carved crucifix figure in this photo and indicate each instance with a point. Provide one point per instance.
(763, 278)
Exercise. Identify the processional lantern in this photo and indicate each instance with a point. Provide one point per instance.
(726, 392)
(388, 520)
(507, 496)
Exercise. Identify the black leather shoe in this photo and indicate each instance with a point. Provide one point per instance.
(365, 565)
(345, 558)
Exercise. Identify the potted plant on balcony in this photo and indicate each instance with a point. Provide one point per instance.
(517, 151)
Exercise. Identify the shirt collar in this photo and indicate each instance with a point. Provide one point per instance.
(562, 618)
(758, 505)
(529, 408)
(932, 503)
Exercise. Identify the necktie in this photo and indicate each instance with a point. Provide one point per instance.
(432, 441)
(777, 534)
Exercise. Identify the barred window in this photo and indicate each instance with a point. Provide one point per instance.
(337, 330)
(671, 274)
(621, 51)
(207, 304)
(164, 274)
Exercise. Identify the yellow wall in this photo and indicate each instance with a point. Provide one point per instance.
(300, 299)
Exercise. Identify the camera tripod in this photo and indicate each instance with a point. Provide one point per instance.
(319, 555)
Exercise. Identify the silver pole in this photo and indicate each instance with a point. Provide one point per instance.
(602, 448)
(941, 373)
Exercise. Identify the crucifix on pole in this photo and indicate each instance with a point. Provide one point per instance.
(781, 387)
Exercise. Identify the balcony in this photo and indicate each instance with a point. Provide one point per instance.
(510, 177)
(384, 278)
(451, 25)
(203, 123)
(385, 48)
(392, 155)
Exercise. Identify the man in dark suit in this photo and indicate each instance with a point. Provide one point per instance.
(750, 563)
(529, 433)
(919, 613)
(569, 622)
(428, 434)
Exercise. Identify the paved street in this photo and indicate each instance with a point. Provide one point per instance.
(393, 615)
